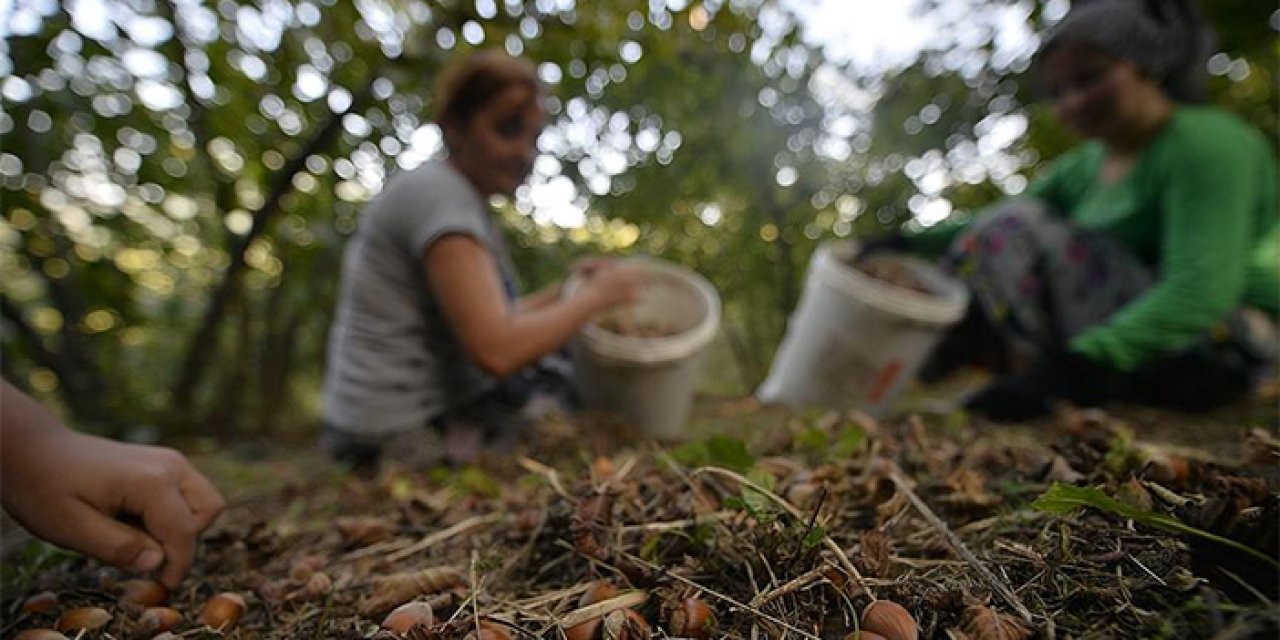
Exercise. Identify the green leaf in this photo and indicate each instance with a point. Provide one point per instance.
(762, 478)
(1063, 499)
(757, 504)
(730, 453)
(692, 454)
(1120, 453)
(474, 481)
(815, 537)
(812, 439)
(649, 549)
(849, 441)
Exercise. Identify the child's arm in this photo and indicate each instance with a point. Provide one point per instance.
(69, 488)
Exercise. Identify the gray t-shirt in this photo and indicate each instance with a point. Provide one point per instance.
(394, 363)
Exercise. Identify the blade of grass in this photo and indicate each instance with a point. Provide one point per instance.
(1062, 499)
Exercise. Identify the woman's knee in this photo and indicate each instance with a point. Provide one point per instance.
(1014, 216)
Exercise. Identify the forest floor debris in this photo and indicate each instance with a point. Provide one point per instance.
(768, 524)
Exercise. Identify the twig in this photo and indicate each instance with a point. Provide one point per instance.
(533, 466)
(1148, 571)
(1000, 586)
(798, 515)
(562, 594)
(797, 584)
(475, 589)
(656, 527)
(440, 536)
(624, 600)
(675, 468)
(712, 592)
(1248, 587)
(374, 549)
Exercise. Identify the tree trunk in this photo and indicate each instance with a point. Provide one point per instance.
(203, 343)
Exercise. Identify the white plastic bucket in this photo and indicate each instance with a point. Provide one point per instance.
(649, 381)
(854, 340)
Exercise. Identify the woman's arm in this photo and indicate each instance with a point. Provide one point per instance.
(540, 299)
(502, 339)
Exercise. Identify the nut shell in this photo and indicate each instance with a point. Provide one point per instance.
(303, 566)
(158, 619)
(408, 616)
(626, 624)
(693, 619)
(584, 631)
(223, 610)
(489, 631)
(40, 602)
(891, 620)
(599, 591)
(40, 634)
(143, 593)
(88, 618)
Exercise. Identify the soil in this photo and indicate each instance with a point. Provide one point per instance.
(785, 524)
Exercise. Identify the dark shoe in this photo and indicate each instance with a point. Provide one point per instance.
(1010, 399)
(1057, 375)
(360, 453)
(973, 341)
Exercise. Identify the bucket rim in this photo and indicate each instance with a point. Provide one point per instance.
(944, 307)
(658, 350)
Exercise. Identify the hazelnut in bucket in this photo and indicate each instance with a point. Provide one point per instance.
(641, 362)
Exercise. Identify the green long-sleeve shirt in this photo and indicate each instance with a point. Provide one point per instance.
(1199, 206)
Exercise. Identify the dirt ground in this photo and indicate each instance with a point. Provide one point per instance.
(777, 523)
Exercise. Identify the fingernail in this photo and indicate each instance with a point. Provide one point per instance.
(149, 559)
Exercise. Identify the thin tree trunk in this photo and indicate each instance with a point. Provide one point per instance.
(225, 417)
(748, 364)
(203, 343)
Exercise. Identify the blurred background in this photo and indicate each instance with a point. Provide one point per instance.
(178, 177)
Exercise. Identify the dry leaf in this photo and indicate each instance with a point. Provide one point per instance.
(590, 523)
(361, 531)
(1132, 493)
(1060, 471)
(399, 588)
(872, 558)
(984, 623)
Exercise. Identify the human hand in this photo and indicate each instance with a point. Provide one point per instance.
(134, 506)
(589, 265)
(612, 283)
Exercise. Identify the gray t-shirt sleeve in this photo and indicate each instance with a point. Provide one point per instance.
(428, 204)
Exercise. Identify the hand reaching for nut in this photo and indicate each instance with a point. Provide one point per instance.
(72, 489)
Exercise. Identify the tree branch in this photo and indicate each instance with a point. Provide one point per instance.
(193, 365)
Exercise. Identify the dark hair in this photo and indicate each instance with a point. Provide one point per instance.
(467, 86)
(1168, 40)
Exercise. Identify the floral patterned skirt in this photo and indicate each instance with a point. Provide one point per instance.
(1039, 281)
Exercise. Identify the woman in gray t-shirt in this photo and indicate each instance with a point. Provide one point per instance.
(429, 329)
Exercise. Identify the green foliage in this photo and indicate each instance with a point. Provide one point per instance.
(818, 444)
(1064, 499)
(716, 451)
(35, 557)
(814, 537)
(141, 160)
